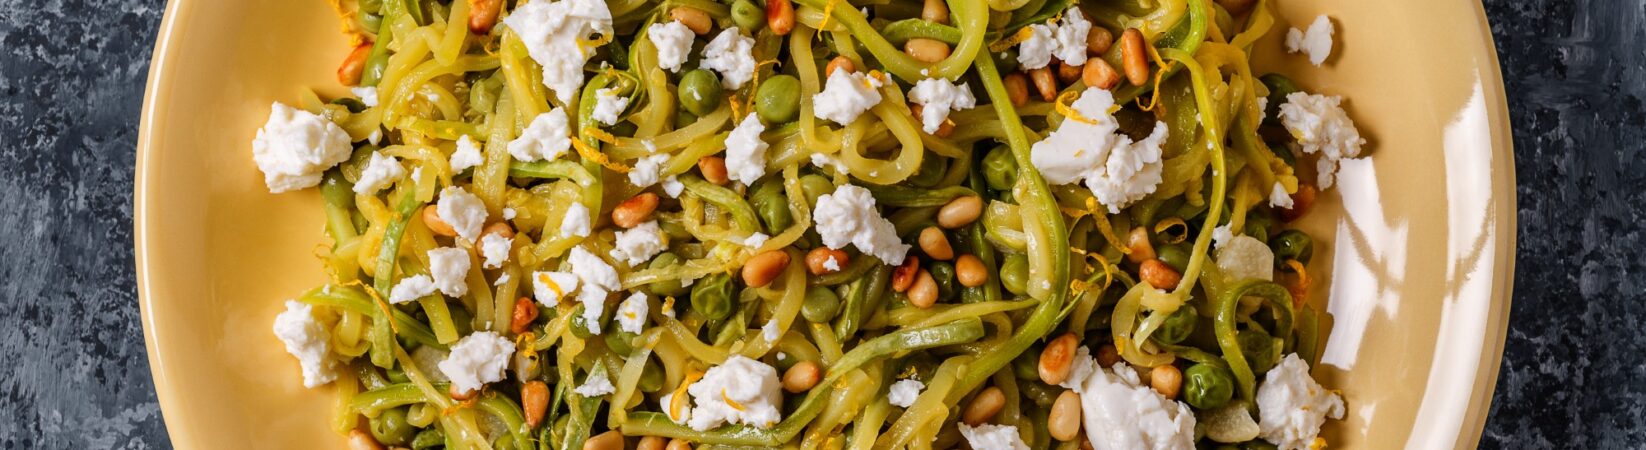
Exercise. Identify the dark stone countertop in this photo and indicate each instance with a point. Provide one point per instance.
(71, 85)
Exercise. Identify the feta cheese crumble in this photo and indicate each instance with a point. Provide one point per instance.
(295, 147)
(770, 331)
(846, 96)
(732, 54)
(380, 172)
(597, 280)
(1292, 406)
(1089, 146)
(904, 392)
(495, 248)
(1321, 126)
(1315, 43)
(827, 161)
(1071, 37)
(756, 240)
(595, 385)
(462, 210)
(547, 137)
(1221, 234)
(739, 391)
(450, 268)
(937, 98)
(1132, 415)
(367, 94)
(631, 314)
(1278, 197)
(646, 170)
(608, 105)
(673, 41)
(745, 152)
(1036, 52)
(554, 34)
(411, 288)
(831, 264)
(847, 216)
(1080, 368)
(576, 221)
(477, 359)
(551, 287)
(307, 340)
(673, 187)
(467, 155)
(989, 436)
(637, 245)
(1245, 257)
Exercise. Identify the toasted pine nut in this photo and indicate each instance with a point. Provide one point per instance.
(801, 377)
(780, 16)
(935, 244)
(839, 62)
(960, 212)
(1063, 421)
(461, 396)
(984, 406)
(923, 294)
(1068, 73)
(693, 18)
(970, 271)
(1099, 40)
(1301, 201)
(534, 399)
(1058, 358)
(1107, 355)
(431, 217)
(361, 440)
(935, 11)
(635, 211)
(765, 267)
(903, 276)
(483, 15)
(652, 443)
(499, 228)
(354, 65)
(1158, 274)
(1166, 379)
(1099, 74)
(926, 50)
(1138, 242)
(610, 440)
(1017, 88)
(817, 260)
(525, 311)
(1133, 56)
(714, 170)
(1045, 83)
(679, 444)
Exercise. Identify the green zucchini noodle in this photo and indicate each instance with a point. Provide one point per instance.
(946, 302)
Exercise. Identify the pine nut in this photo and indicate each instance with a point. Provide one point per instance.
(780, 16)
(1058, 358)
(1099, 74)
(765, 267)
(693, 18)
(714, 170)
(1017, 88)
(935, 244)
(635, 211)
(926, 50)
(354, 65)
(1167, 380)
(1099, 40)
(610, 440)
(903, 276)
(923, 294)
(1068, 73)
(970, 271)
(1045, 83)
(534, 399)
(361, 440)
(1063, 421)
(1301, 201)
(817, 260)
(935, 11)
(483, 15)
(431, 217)
(652, 443)
(1134, 59)
(679, 444)
(1138, 242)
(984, 406)
(499, 228)
(839, 62)
(801, 377)
(1158, 274)
(525, 311)
(960, 212)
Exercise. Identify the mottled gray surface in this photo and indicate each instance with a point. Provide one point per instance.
(71, 84)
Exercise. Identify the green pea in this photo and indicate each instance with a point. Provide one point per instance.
(371, 6)
(620, 342)
(1026, 366)
(1000, 169)
(771, 204)
(815, 186)
(777, 100)
(700, 91)
(1259, 223)
(1014, 274)
(1007, 60)
(683, 118)
(748, 16)
(1260, 350)
(1292, 244)
(712, 296)
(1207, 387)
(947, 285)
(1175, 255)
(428, 438)
(821, 304)
(580, 326)
(1178, 326)
(930, 172)
(390, 427)
(665, 288)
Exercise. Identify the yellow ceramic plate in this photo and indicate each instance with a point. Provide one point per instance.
(1415, 263)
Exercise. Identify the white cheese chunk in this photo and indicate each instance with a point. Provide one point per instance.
(608, 106)
(1071, 37)
(1322, 126)
(450, 268)
(673, 187)
(846, 96)
(467, 155)
(1278, 197)
(904, 392)
(752, 385)
(1132, 415)
(367, 95)
(495, 248)
(1089, 146)
(477, 359)
(597, 384)
(1316, 43)
(552, 287)
(637, 245)
(1080, 368)
(827, 161)
(755, 240)
(546, 138)
(745, 152)
(307, 340)
(732, 54)
(463, 211)
(1036, 52)
(576, 221)
(989, 436)
(1292, 406)
(673, 41)
(596, 280)
(847, 216)
(771, 331)
(411, 288)
(937, 98)
(381, 171)
(647, 169)
(631, 314)
(555, 34)
(295, 147)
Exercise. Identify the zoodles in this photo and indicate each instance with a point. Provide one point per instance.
(740, 223)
